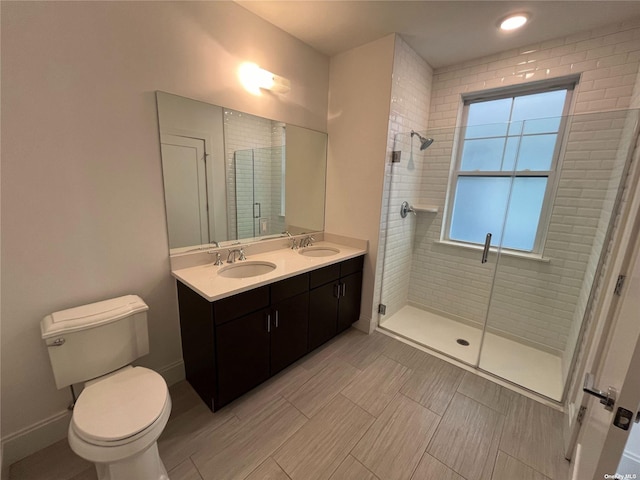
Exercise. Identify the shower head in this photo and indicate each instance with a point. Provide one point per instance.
(424, 142)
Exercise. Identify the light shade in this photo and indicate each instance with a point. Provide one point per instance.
(253, 78)
(513, 22)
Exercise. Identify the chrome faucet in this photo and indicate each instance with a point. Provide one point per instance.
(231, 258)
(218, 261)
(307, 241)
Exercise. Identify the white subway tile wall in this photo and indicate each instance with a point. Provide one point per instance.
(541, 303)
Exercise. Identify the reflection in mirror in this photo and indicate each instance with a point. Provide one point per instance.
(231, 176)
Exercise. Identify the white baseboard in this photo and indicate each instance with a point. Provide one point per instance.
(26, 441)
(173, 373)
(29, 440)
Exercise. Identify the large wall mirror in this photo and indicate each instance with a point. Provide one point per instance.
(234, 177)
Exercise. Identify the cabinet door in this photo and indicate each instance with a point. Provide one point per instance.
(289, 331)
(350, 296)
(242, 347)
(323, 310)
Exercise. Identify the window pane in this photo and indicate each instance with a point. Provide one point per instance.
(484, 154)
(525, 206)
(546, 105)
(479, 208)
(536, 152)
(488, 119)
(510, 154)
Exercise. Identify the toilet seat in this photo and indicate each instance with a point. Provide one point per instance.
(120, 408)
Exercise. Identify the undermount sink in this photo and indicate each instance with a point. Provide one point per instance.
(318, 251)
(245, 269)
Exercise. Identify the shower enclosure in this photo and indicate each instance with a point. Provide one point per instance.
(494, 259)
(259, 191)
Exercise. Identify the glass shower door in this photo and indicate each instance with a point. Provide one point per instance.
(568, 175)
(436, 287)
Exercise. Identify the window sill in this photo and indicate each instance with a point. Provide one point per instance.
(507, 253)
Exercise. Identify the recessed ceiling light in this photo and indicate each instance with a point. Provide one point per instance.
(513, 22)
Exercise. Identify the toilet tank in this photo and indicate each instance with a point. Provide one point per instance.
(91, 340)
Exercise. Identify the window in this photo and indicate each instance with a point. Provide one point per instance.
(505, 167)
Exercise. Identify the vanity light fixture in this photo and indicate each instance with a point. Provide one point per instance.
(253, 79)
(513, 22)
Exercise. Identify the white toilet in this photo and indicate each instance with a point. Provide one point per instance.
(122, 410)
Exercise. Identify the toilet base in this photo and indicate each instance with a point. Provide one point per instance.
(144, 466)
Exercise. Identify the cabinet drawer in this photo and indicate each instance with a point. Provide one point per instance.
(352, 265)
(240, 304)
(289, 287)
(324, 275)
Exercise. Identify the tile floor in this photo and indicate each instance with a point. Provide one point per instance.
(362, 407)
(531, 368)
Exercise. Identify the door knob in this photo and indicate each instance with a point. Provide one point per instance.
(608, 398)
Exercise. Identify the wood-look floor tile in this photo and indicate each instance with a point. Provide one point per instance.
(508, 467)
(322, 387)
(185, 471)
(320, 446)
(533, 435)
(430, 468)
(352, 469)
(183, 398)
(393, 446)
(467, 438)
(317, 360)
(363, 350)
(283, 384)
(269, 470)
(88, 474)
(55, 462)
(186, 433)
(486, 392)
(433, 384)
(376, 386)
(407, 355)
(233, 452)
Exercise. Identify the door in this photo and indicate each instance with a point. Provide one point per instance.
(323, 310)
(289, 331)
(349, 303)
(601, 442)
(242, 349)
(185, 186)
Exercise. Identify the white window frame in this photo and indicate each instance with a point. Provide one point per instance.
(565, 83)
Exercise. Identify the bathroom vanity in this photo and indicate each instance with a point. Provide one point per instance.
(238, 332)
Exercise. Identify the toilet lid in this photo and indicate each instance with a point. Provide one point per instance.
(121, 405)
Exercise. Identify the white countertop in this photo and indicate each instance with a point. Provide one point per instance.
(205, 280)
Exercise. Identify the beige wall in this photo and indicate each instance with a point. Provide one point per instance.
(359, 98)
(82, 200)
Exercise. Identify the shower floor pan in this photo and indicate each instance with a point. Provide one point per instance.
(526, 366)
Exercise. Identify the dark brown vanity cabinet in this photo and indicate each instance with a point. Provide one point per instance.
(234, 344)
(334, 300)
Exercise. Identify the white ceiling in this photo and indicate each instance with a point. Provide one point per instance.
(444, 32)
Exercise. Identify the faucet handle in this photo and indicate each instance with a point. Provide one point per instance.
(242, 255)
(294, 244)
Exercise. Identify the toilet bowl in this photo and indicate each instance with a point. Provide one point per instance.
(123, 409)
(116, 423)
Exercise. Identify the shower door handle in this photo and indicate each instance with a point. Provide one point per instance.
(259, 210)
(608, 398)
(485, 252)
